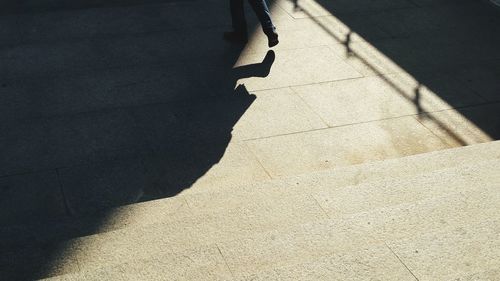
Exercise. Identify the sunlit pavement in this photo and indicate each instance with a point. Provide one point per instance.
(137, 144)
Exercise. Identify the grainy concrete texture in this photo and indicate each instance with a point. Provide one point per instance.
(137, 144)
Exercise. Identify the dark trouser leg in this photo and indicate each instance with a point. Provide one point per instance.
(238, 16)
(262, 11)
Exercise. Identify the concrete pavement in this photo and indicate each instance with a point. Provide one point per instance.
(107, 104)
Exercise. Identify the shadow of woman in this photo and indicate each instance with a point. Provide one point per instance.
(188, 145)
(202, 134)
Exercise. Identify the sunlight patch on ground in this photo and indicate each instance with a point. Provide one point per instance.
(369, 61)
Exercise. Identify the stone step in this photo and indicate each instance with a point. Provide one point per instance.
(278, 211)
(376, 170)
(349, 265)
(465, 252)
(373, 234)
(313, 241)
(199, 264)
(349, 232)
(378, 260)
(252, 197)
(344, 200)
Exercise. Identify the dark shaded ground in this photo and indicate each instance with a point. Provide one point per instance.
(29, 6)
(120, 106)
(115, 106)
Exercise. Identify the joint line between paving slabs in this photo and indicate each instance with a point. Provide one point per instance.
(321, 207)
(401, 261)
(225, 261)
(310, 84)
(186, 201)
(309, 106)
(333, 127)
(63, 194)
(258, 160)
(442, 139)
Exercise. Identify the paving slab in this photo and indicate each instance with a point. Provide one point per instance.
(299, 244)
(172, 126)
(45, 143)
(86, 23)
(434, 255)
(37, 262)
(264, 118)
(201, 264)
(61, 5)
(53, 231)
(209, 203)
(488, 275)
(341, 146)
(95, 187)
(31, 197)
(411, 55)
(482, 79)
(304, 243)
(49, 58)
(164, 223)
(193, 144)
(317, 8)
(304, 9)
(377, 263)
(373, 195)
(298, 67)
(465, 126)
(378, 171)
(461, 20)
(450, 53)
(202, 167)
(431, 91)
(313, 32)
(43, 59)
(181, 232)
(245, 221)
(379, 97)
(121, 133)
(354, 101)
(366, 58)
(22, 155)
(436, 214)
(83, 91)
(425, 3)
(264, 70)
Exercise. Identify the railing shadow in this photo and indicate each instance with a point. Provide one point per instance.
(398, 48)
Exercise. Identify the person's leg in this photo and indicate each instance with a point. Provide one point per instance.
(238, 16)
(239, 32)
(262, 11)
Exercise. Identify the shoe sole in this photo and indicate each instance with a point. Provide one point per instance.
(273, 43)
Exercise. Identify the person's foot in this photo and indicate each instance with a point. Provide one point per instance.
(236, 37)
(272, 37)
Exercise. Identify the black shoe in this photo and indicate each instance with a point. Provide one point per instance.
(272, 38)
(236, 37)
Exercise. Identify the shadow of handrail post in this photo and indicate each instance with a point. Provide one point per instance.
(416, 100)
